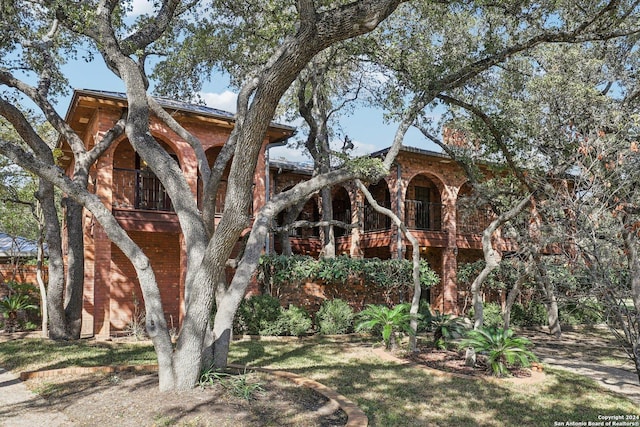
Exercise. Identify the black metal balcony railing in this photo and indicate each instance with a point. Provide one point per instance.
(473, 222)
(139, 189)
(421, 215)
(375, 221)
(344, 216)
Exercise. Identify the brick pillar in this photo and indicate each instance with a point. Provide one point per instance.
(102, 247)
(102, 285)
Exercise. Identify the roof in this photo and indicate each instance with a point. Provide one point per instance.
(15, 246)
(412, 150)
(307, 167)
(170, 104)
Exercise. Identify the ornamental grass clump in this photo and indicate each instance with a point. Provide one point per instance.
(501, 349)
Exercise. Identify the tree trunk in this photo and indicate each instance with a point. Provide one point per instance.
(75, 269)
(329, 241)
(55, 291)
(511, 299)
(417, 289)
(41, 286)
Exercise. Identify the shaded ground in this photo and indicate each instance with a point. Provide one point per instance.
(134, 400)
(129, 399)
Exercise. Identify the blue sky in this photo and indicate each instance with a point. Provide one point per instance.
(365, 127)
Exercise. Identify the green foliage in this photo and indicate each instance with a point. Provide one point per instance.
(296, 320)
(11, 306)
(257, 315)
(334, 317)
(263, 315)
(501, 348)
(529, 314)
(581, 312)
(492, 315)
(237, 385)
(446, 327)
(277, 270)
(391, 321)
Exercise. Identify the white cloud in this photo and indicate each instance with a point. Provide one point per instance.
(223, 101)
(141, 7)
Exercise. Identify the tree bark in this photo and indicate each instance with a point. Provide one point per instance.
(55, 291)
(75, 269)
(415, 259)
(492, 258)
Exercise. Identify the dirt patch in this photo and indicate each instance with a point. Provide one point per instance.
(454, 362)
(133, 399)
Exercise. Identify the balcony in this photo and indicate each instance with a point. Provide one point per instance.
(375, 221)
(473, 222)
(140, 189)
(420, 215)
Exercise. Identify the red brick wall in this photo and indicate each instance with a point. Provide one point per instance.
(163, 250)
(22, 274)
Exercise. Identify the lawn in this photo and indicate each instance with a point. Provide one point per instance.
(389, 393)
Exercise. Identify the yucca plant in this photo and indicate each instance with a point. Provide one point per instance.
(11, 305)
(390, 321)
(501, 348)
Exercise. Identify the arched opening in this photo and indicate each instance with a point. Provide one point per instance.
(341, 210)
(212, 154)
(423, 205)
(373, 220)
(472, 218)
(135, 186)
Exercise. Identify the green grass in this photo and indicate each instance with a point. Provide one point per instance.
(389, 393)
(30, 354)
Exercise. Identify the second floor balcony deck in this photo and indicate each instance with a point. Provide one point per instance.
(139, 189)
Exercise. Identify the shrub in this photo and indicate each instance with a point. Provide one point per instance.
(585, 312)
(391, 321)
(277, 270)
(492, 314)
(501, 348)
(257, 313)
(530, 314)
(334, 317)
(292, 321)
(296, 320)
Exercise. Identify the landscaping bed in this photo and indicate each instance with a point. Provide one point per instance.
(133, 399)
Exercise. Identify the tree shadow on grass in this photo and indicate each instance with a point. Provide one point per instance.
(399, 395)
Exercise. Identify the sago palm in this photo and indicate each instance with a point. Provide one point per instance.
(389, 320)
(11, 305)
(501, 348)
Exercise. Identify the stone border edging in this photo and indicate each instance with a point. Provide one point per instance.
(355, 416)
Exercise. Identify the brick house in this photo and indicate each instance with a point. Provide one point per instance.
(140, 204)
(423, 189)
